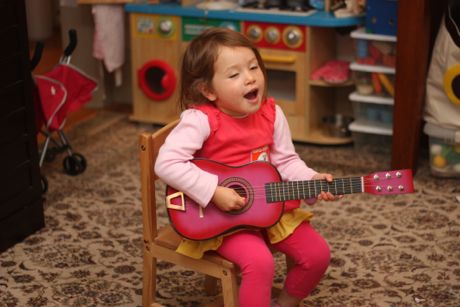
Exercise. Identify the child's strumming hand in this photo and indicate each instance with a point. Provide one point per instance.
(227, 199)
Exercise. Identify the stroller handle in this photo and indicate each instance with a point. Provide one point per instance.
(72, 43)
(37, 55)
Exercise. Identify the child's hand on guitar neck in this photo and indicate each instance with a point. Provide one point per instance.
(327, 196)
(227, 199)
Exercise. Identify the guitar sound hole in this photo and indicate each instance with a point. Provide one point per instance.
(241, 191)
(243, 188)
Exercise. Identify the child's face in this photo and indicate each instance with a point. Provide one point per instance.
(238, 82)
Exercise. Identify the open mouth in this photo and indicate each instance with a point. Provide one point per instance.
(251, 95)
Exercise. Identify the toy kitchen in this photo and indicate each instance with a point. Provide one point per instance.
(294, 39)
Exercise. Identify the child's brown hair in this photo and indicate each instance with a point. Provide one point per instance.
(198, 62)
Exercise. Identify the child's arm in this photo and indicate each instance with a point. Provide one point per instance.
(283, 155)
(173, 164)
(288, 162)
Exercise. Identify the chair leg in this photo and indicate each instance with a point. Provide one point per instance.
(210, 285)
(149, 280)
(230, 288)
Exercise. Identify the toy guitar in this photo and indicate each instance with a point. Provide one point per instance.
(260, 183)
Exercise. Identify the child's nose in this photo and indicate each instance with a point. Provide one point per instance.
(250, 77)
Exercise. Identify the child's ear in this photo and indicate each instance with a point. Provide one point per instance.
(207, 92)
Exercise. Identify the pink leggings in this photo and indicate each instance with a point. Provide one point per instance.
(250, 252)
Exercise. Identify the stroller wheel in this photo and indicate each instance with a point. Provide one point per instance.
(44, 183)
(74, 164)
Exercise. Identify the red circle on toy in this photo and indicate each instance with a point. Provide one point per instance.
(157, 80)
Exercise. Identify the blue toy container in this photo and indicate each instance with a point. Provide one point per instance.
(381, 16)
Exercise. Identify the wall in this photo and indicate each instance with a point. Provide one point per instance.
(80, 18)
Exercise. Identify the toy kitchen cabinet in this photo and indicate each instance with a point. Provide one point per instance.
(292, 47)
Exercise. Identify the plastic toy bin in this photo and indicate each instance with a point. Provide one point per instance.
(377, 137)
(373, 113)
(444, 147)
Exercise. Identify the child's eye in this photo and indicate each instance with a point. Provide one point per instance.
(233, 75)
(254, 67)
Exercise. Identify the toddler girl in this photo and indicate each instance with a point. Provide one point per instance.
(229, 119)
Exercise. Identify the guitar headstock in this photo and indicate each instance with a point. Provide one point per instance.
(389, 182)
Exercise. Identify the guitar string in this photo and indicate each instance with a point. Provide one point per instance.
(290, 190)
(283, 196)
(289, 186)
(285, 189)
(280, 192)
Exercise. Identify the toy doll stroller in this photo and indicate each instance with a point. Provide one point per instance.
(58, 92)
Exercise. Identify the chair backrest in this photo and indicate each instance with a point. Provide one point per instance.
(149, 146)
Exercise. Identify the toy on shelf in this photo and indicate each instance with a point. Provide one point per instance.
(333, 72)
(320, 5)
(381, 16)
(345, 8)
(373, 82)
(374, 68)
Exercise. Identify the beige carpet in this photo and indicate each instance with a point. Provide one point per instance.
(386, 251)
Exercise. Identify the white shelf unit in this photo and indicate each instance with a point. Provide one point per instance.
(361, 125)
(362, 34)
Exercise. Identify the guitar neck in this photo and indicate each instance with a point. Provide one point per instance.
(290, 190)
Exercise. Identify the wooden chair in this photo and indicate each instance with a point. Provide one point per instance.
(160, 243)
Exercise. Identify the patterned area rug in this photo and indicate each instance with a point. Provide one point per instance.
(386, 251)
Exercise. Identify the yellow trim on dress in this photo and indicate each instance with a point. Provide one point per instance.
(281, 230)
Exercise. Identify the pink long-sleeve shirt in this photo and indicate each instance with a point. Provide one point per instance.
(175, 168)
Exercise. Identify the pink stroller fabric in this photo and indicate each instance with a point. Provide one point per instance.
(62, 90)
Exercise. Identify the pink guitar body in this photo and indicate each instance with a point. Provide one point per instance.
(260, 183)
(196, 223)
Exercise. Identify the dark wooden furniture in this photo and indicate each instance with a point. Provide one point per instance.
(21, 204)
(418, 23)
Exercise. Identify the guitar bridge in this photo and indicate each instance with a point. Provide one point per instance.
(170, 205)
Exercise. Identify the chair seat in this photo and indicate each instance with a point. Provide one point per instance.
(168, 238)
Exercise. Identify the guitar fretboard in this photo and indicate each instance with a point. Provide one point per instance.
(290, 190)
